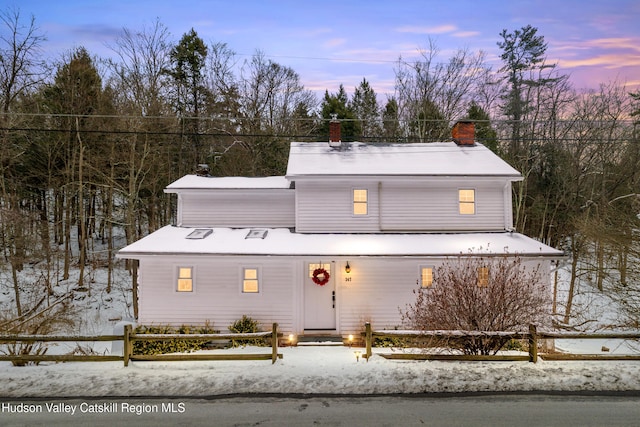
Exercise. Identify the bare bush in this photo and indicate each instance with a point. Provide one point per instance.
(476, 293)
(56, 317)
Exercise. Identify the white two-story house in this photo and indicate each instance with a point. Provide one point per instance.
(344, 237)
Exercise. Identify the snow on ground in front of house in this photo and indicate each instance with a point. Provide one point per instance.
(310, 370)
(303, 370)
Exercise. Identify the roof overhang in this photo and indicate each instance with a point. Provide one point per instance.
(171, 240)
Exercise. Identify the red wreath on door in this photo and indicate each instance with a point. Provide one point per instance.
(321, 276)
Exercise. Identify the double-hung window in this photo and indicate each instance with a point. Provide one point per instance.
(467, 201)
(185, 279)
(250, 280)
(426, 277)
(360, 201)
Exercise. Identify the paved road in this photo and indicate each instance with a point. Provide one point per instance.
(479, 410)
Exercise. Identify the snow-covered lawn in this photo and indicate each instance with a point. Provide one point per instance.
(310, 370)
(303, 369)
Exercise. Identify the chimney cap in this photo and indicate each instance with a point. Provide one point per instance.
(202, 170)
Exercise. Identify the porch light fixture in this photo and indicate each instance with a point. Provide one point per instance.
(292, 339)
(350, 340)
(347, 268)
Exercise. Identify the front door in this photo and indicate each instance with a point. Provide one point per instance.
(319, 297)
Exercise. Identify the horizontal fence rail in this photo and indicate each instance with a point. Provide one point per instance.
(129, 337)
(533, 338)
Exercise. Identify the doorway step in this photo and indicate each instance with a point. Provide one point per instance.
(319, 339)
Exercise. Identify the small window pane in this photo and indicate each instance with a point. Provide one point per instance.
(359, 208)
(250, 273)
(250, 286)
(185, 272)
(359, 195)
(185, 285)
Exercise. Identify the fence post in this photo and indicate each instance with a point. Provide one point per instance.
(274, 343)
(126, 345)
(368, 339)
(533, 344)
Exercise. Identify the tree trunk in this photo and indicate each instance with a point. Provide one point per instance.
(572, 283)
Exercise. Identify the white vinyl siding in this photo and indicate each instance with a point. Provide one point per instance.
(237, 208)
(327, 207)
(434, 207)
(218, 298)
(379, 289)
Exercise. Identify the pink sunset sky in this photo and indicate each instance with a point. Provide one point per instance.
(331, 42)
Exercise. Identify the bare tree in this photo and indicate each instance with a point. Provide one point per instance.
(430, 93)
(479, 293)
(21, 66)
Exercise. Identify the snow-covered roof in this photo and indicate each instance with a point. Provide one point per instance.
(171, 240)
(195, 182)
(376, 159)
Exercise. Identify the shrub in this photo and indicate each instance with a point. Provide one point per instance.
(244, 326)
(505, 297)
(172, 346)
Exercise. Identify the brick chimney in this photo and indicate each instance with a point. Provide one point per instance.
(334, 132)
(464, 133)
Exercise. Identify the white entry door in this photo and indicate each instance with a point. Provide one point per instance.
(319, 298)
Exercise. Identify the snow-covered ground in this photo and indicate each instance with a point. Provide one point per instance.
(303, 370)
(310, 370)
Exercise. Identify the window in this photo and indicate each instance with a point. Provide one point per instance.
(426, 277)
(467, 202)
(313, 267)
(360, 202)
(250, 280)
(483, 277)
(185, 279)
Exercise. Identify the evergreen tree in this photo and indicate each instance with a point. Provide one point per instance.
(338, 104)
(390, 121)
(484, 131)
(522, 51)
(188, 58)
(365, 106)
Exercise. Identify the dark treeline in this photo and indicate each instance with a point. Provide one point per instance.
(88, 144)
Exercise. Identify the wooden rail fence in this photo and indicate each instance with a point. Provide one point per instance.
(533, 337)
(129, 337)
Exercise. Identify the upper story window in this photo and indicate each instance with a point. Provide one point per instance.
(467, 201)
(185, 279)
(360, 201)
(250, 280)
(426, 277)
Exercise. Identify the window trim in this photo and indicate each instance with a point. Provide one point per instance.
(178, 278)
(355, 202)
(258, 279)
(467, 203)
(421, 280)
